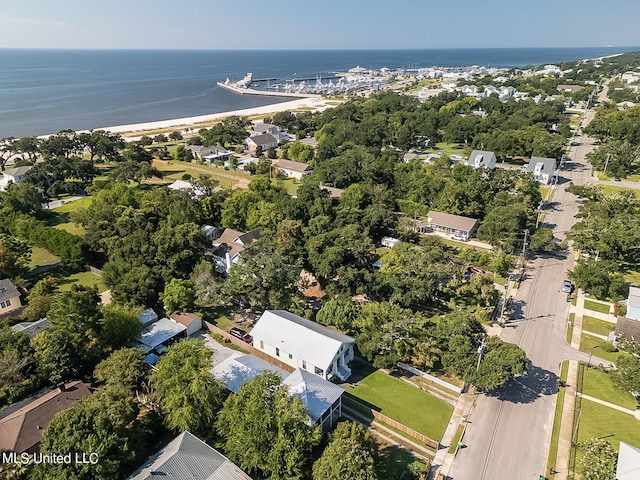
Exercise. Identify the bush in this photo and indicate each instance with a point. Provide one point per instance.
(608, 347)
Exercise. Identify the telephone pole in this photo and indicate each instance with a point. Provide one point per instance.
(481, 350)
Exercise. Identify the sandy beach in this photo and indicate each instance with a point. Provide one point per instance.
(315, 104)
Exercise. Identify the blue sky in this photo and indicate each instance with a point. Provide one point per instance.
(317, 24)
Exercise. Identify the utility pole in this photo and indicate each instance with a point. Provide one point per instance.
(606, 164)
(481, 350)
(524, 246)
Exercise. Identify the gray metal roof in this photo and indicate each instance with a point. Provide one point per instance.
(18, 171)
(634, 297)
(628, 463)
(550, 164)
(8, 290)
(31, 328)
(315, 392)
(447, 220)
(240, 368)
(189, 458)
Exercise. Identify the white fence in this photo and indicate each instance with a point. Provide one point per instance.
(431, 378)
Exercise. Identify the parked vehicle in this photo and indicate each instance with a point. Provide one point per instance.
(567, 287)
(241, 334)
(458, 237)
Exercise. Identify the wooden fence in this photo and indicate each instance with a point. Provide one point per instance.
(94, 270)
(248, 348)
(350, 402)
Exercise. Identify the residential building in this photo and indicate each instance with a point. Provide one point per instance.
(633, 303)
(31, 328)
(543, 169)
(265, 141)
(184, 186)
(188, 458)
(148, 317)
(228, 248)
(304, 344)
(268, 128)
(161, 334)
(22, 425)
(14, 175)
(191, 321)
(452, 224)
(9, 297)
(292, 169)
(389, 242)
(322, 398)
(217, 154)
(210, 232)
(628, 467)
(481, 158)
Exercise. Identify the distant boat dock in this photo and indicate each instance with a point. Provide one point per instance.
(233, 87)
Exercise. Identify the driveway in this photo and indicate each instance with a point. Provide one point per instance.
(220, 352)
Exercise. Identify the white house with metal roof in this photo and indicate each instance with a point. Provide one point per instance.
(161, 334)
(543, 169)
(628, 467)
(633, 303)
(14, 175)
(322, 398)
(482, 159)
(304, 344)
(188, 458)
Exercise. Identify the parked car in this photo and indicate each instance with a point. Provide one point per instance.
(567, 287)
(241, 334)
(458, 237)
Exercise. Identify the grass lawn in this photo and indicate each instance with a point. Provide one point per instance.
(599, 385)
(291, 185)
(595, 325)
(596, 306)
(591, 344)
(394, 461)
(572, 317)
(71, 228)
(500, 280)
(41, 257)
(73, 206)
(404, 403)
(632, 276)
(87, 279)
(456, 440)
(450, 148)
(544, 191)
(557, 419)
(599, 421)
(614, 189)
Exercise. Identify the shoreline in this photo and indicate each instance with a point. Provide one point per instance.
(315, 104)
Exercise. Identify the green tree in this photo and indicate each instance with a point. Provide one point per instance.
(125, 368)
(119, 328)
(542, 240)
(14, 256)
(339, 311)
(265, 430)
(598, 461)
(627, 373)
(99, 423)
(184, 390)
(178, 295)
(501, 361)
(24, 198)
(602, 279)
(351, 453)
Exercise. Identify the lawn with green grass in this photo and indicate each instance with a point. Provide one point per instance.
(596, 306)
(87, 279)
(632, 276)
(595, 325)
(73, 205)
(572, 317)
(452, 148)
(614, 190)
(291, 185)
(557, 419)
(41, 257)
(598, 384)
(394, 462)
(593, 345)
(404, 403)
(612, 425)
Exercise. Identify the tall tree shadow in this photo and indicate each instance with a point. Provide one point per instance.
(527, 388)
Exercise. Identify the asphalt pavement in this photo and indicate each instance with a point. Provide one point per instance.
(509, 431)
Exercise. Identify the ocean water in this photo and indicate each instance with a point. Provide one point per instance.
(45, 91)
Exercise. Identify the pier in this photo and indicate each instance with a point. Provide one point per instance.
(250, 91)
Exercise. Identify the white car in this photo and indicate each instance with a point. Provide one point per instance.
(458, 237)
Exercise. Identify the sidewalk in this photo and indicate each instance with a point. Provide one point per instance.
(635, 413)
(566, 427)
(443, 459)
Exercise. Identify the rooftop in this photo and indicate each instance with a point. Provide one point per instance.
(315, 392)
(293, 166)
(303, 338)
(451, 221)
(159, 332)
(239, 368)
(185, 318)
(31, 328)
(7, 290)
(22, 430)
(189, 458)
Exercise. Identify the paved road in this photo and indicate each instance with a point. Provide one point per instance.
(509, 431)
